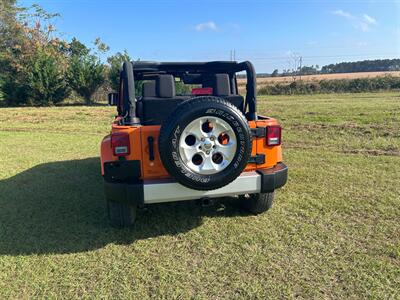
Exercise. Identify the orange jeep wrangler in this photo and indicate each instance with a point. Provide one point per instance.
(206, 143)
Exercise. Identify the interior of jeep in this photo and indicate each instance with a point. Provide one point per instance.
(158, 82)
(159, 96)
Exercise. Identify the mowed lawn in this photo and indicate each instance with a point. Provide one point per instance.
(333, 232)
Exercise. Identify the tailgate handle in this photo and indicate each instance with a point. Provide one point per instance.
(150, 141)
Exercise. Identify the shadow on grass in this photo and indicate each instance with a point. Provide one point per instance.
(59, 207)
(72, 104)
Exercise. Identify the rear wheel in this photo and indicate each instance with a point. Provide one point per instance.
(257, 203)
(205, 143)
(120, 214)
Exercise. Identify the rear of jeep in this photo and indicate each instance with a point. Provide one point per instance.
(205, 143)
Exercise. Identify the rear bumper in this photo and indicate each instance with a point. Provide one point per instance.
(158, 191)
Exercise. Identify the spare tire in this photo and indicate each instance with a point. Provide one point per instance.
(205, 143)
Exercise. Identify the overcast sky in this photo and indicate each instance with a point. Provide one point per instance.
(265, 32)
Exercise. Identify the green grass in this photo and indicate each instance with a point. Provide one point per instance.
(333, 232)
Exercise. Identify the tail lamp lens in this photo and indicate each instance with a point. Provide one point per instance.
(120, 144)
(202, 91)
(274, 134)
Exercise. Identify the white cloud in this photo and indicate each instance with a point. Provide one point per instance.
(364, 27)
(370, 20)
(343, 14)
(362, 23)
(206, 26)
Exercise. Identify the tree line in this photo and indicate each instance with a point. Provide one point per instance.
(377, 65)
(39, 67)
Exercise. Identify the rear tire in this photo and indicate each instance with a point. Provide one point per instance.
(121, 215)
(257, 203)
(206, 161)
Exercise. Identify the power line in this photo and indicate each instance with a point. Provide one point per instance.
(328, 56)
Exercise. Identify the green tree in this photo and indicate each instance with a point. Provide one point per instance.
(275, 73)
(76, 48)
(85, 75)
(10, 32)
(101, 46)
(46, 82)
(115, 64)
(33, 68)
(42, 81)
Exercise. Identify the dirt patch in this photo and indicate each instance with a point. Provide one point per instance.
(390, 151)
(373, 152)
(352, 128)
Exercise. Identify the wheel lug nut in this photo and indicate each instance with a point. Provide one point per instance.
(208, 152)
(212, 138)
(202, 139)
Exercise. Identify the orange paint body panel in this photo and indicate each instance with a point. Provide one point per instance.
(134, 140)
(273, 154)
(154, 169)
(151, 169)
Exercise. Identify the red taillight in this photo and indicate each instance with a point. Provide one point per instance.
(120, 144)
(202, 91)
(274, 135)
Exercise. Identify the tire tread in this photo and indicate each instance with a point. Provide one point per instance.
(258, 203)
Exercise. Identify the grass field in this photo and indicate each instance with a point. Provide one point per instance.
(333, 233)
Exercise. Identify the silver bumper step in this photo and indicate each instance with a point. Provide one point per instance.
(158, 191)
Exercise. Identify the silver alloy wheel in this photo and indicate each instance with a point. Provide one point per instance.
(207, 145)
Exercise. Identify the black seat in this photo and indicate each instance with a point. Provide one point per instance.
(220, 83)
(149, 89)
(159, 100)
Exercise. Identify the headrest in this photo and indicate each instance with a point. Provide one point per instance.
(219, 83)
(149, 89)
(222, 86)
(165, 86)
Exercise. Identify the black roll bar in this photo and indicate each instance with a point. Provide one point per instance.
(251, 88)
(144, 67)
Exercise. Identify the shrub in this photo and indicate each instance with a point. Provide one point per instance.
(40, 82)
(85, 75)
(46, 80)
(333, 86)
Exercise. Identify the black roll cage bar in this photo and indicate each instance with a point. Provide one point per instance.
(142, 70)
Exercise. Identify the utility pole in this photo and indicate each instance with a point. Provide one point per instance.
(301, 66)
(232, 55)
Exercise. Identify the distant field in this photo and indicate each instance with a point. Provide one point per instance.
(333, 232)
(311, 78)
